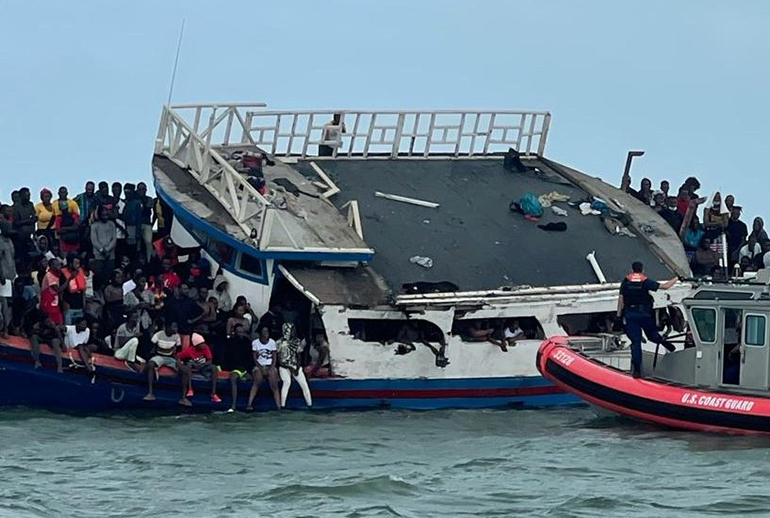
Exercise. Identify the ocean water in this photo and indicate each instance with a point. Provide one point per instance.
(553, 463)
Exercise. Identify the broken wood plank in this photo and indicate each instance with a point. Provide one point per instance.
(404, 199)
(333, 189)
(354, 218)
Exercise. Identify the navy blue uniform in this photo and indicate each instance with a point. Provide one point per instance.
(638, 312)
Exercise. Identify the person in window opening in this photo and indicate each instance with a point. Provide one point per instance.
(511, 333)
(479, 331)
(635, 305)
(331, 135)
(238, 360)
(264, 351)
(196, 359)
(289, 350)
(166, 343)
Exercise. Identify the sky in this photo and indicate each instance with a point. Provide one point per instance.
(82, 83)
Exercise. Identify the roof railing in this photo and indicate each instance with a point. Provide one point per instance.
(199, 136)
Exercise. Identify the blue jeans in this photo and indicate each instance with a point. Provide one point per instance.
(636, 322)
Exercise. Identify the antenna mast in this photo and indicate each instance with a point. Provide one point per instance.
(176, 62)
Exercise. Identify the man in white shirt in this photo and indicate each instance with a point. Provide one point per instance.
(265, 354)
(78, 337)
(166, 342)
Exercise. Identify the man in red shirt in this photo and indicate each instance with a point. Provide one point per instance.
(197, 359)
(49, 304)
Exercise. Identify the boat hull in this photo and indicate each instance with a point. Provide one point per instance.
(116, 387)
(667, 404)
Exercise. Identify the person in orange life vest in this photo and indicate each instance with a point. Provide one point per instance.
(74, 290)
(636, 305)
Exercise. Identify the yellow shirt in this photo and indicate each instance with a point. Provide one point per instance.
(73, 207)
(44, 216)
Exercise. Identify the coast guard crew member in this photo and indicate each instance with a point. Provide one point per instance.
(636, 305)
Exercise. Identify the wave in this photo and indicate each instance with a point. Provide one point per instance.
(348, 487)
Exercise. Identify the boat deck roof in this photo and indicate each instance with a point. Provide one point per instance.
(474, 240)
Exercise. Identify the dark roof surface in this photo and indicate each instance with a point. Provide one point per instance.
(473, 238)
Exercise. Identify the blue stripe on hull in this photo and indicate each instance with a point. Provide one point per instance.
(121, 390)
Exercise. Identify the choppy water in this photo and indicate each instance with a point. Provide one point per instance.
(450, 463)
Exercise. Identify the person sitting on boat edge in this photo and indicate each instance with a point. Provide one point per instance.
(636, 305)
(197, 359)
(238, 359)
(78, 337)
(264, 350)
(166, 342)
(289, 350)
(41, 329)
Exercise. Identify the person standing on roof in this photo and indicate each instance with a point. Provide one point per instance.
(331, 136)
(636, 305)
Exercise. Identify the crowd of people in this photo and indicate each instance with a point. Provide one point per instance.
(99, 273)
(718, 243)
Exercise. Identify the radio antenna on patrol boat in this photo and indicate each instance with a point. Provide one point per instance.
(176, 62)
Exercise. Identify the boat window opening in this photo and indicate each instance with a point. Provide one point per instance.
(482, 329)
(250, 264)
(293, 306)
(221, 251)
(705, 320)
(390, 331)
(731, 346)
(755, 330)
(586, 323)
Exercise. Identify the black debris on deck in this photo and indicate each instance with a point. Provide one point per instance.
(473, 238)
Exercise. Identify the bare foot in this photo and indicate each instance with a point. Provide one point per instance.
(185, 402)
(149, 397)
(38, 365)
(60, 370)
